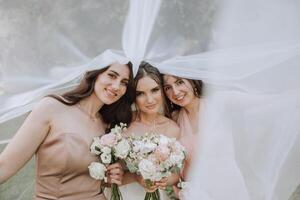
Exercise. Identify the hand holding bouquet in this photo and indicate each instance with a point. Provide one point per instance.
(110, 148)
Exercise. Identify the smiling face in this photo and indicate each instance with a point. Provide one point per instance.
(148, 96)
(178, 90)
(111, 85)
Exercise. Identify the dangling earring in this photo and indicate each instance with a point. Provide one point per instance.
(196, 91)
(135, 108)
(172, 106)
(161, 110)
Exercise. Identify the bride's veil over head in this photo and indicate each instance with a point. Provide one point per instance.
(246, 52)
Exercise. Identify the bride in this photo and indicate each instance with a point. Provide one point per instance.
(149, 118)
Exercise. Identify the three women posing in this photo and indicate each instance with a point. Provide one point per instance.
(60, 129)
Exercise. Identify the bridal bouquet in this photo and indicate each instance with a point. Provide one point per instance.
(110, 148)
(154, 157)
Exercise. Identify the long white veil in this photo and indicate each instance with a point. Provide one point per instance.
(246, 52)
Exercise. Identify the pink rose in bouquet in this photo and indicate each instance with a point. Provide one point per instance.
(109, 140)
(162, 152)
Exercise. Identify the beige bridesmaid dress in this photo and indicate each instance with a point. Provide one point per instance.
(62, 168)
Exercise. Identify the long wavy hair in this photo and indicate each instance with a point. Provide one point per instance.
(145, 69)
(197, 90)
(119, 111)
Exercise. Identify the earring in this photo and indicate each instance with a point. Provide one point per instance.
(161, 110)
(134, 107)
(196, 91)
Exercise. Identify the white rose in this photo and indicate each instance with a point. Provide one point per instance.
(148, 147)
(147, 170)
(164, 140)
(122, 149)
(97, 170)
(116, 130)
(137, 145)
(179, 147)
(177, 159)
(167, 164)
(96, 146)
(106, 150)
(106, 158)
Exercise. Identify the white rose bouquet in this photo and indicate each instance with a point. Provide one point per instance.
(154, 157)
(110, 148)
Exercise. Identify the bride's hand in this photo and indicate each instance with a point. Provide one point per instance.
(162, 184)
(142, 182)
(115, 173)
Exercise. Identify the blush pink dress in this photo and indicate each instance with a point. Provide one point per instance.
(187, 138)
(62, 162)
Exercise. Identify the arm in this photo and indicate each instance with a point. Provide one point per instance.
(26, 141)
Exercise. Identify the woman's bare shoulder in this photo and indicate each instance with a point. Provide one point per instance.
(172, 129)
(50, 103)
(49, 106)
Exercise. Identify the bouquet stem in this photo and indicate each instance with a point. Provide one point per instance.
(115, 192)
(152, 195)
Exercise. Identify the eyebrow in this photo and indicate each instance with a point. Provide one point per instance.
(156, 87)
(137, 91)
(117, 74)
(178, 79)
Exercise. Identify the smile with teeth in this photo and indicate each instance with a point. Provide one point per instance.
(179, 98)
(111, 93)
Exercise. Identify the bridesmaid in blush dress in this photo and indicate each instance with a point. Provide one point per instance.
(60, 130)
(184, 104)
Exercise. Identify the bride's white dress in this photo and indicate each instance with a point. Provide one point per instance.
(134, 191)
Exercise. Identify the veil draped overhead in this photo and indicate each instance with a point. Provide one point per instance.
(246, 52)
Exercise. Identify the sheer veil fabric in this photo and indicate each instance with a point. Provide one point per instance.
(246, 52)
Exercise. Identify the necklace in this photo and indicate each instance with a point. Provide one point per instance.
(93, 118)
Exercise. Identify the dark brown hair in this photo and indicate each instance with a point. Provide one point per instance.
(119, 111)
(197, 86)
(145, 69)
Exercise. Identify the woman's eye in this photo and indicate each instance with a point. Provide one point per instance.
(139, 94)
(166, 88)
(155, 90)
(112, 76)
(179, 82)
(125, 83)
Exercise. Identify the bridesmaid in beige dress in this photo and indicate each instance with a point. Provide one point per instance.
(149, 118)
(59, 131)
(184, 104)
